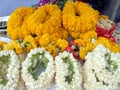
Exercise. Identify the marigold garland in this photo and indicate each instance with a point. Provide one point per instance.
(79, 17)
(16, 20)
(46, 19)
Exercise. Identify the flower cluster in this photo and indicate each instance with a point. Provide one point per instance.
(68, 72)
(34, 78)
(102, 69)
(9, 70)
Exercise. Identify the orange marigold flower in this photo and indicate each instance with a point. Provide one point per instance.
(44, 40)
(52, 50)
(14, 45)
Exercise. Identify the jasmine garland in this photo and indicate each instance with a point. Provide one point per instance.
(68, 72)
(32, 69)
(9, 70)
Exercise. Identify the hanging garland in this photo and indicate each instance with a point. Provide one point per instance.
(38, 69)
(9, 70)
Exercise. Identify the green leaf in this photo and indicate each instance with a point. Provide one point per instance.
(4, 60)
(71, 72)
(37, 64)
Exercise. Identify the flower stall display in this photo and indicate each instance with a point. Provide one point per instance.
(66, 43)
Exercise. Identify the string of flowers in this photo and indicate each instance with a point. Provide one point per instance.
(38, 58)
(78, 17)
(68, 72)
(101, 69)
(9, 70)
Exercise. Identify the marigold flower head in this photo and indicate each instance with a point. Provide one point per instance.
(114, 47)
(44, 40)
(84, 50)
(62, 44)
(90, 37)
(14, 45)
(29, 43)
(52, 50)
(80, 42)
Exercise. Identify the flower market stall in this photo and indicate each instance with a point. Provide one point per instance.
(60, 45)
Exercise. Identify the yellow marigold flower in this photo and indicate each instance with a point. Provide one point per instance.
(62, 44)
(54, 37)
(75, 35)
(114, 47)
(29, 43)
(79, 17)
(64, 33)
(90, 37)
(14, 45)
(2, 45)
(84, 50)
(80, 42)
(52, 50)
(37, 40)
(44, 40)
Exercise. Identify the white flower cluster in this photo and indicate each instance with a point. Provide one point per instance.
(45, 79)
(105, 23)
(62, 71)
(102, 69)
(12, 71)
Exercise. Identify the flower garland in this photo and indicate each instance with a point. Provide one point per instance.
(46, 19)
(9, 70)
(16, 20)
(78, 17)
(38, 58)
(68, 75)
(102, 69)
